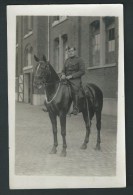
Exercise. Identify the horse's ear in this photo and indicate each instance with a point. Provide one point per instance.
(36, 58)
(44, 58)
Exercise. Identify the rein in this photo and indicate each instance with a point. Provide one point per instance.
(48, 102)
(49, 83)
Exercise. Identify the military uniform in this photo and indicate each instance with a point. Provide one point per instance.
(75, 67)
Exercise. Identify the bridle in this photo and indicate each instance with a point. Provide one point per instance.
(47, 83)
(37, 76)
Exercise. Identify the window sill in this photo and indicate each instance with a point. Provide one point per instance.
(28, 34)
(56, 22)
(105, 66)
(27, 67)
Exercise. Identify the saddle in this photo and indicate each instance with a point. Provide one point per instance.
(88, 93)
(84, 92)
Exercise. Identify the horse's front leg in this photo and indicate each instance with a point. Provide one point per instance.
(54, 127)
(63, 132)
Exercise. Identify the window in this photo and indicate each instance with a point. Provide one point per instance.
(64, 40)
(29, 59)
(111, 34)
(110, 44)
(96, 50)
(111, 40)
(28, 56)
(95, 43)
(102, 42)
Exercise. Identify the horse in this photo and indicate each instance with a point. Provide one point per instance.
(59, 99)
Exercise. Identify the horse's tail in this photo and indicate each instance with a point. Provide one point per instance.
(99, 96)
(95, 98)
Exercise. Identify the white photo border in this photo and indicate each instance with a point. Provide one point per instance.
(46, 182)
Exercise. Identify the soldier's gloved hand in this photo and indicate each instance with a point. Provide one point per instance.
(63, 77)
(69, 77)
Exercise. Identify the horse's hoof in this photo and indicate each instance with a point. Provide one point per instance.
(98, 148)
(53, 151)
(83, 147)
(63, 153)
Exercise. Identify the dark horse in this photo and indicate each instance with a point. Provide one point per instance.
(59, 99)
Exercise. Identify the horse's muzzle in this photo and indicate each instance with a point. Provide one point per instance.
(37, 85)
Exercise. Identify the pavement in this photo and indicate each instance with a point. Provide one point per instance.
(34, 140)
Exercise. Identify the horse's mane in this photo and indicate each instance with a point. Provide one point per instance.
(54, 75)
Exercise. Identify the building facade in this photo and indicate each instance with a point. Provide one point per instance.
(32, 38)
(96, 41)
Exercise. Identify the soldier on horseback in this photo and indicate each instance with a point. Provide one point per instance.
(73, 70)
(58, 98)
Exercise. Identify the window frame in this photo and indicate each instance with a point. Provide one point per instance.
(106, 65)
(96, 48)
(94, 31)
(56, 51)
(28, 54)
(110, 44)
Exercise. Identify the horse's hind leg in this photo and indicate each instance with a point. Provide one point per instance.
(88, 124)
(63, 132)
(98, 125)
(54, 127)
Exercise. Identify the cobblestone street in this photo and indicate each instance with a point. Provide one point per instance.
(34, 140)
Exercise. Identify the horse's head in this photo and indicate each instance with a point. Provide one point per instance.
(42, 72)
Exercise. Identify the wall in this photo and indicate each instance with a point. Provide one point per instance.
(42, 36)
(77, 30)
(69, 27)
(105, 78)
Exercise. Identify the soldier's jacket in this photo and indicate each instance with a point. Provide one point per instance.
(74, 66)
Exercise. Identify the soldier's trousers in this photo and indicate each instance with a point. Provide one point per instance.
(75, 85)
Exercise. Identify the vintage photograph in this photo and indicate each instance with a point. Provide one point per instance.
(67, 97)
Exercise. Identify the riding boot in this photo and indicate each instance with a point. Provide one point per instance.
(75, 105)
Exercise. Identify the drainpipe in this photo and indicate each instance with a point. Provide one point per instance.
(79, 36)
(48, 38)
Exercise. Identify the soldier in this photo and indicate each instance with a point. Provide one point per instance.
(74, 68)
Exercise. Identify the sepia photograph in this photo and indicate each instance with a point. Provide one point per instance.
(66, 96)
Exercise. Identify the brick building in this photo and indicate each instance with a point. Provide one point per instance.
(96, 40)
(32, 38)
